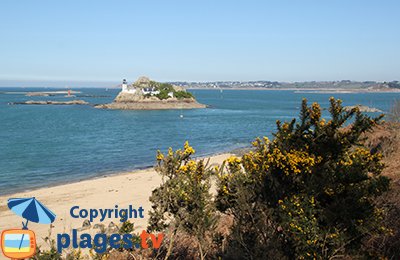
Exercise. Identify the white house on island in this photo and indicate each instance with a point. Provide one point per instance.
(150, 91)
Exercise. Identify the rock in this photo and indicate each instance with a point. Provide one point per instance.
(37, 94)
(178, 88)
(40, 102)
(93, 96)
(50, 93)
(363, 109)
(112, 228)
(142, 81)
(85, 225)
(129, 97)
(154, 105)
(101, 227)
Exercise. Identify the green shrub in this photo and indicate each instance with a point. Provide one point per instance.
(163, 94)
(309, 192)
(183, 94)
(183, 202)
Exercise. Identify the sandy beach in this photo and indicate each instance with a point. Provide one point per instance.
(129, 188)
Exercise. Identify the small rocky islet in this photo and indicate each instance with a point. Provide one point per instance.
(50, 102)
(145, 94)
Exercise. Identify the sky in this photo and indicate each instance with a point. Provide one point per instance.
(280, 40)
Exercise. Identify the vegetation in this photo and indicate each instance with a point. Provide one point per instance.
(311, 189)
(183, 94)
(165, 88)
(315, 191)
(394, 84)
(183, 201)
(309, 193)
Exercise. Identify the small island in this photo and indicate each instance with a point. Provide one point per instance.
(50, 102)
(145, 94)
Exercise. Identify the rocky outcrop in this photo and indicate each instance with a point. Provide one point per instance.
(154, 103)
(142, 81)
(50, 93)
(35, 102)
(363, 109)
(129, 97)
(38, 94)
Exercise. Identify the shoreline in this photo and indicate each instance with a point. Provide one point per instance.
(122, 189)
(102, 175)
(81, 179)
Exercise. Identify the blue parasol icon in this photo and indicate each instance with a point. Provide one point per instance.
(32, 210)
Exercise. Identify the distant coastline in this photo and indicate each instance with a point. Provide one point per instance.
(297, 90)
(308, 91)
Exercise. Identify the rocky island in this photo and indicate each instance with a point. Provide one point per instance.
(145, 94)
(49, 102)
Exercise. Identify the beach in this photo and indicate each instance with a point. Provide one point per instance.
(124, 189)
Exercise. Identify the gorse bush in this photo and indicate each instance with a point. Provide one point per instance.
(183, 201)
(309, 192)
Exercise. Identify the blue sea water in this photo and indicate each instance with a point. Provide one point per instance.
(45, 145)
(17, 241)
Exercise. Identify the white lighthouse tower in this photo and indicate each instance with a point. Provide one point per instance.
(127, 89)
(124, 86)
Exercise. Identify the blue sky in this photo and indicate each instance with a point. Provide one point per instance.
(199, 40)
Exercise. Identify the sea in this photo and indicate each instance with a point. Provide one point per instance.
(44, 145)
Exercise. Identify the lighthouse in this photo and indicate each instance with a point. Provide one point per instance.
(124, 86)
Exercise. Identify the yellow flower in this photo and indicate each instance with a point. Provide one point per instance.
(188, 149)
(315, 112)
(312, 200)
(329, 191)
(170, 152)
(160, 155)
(233, 160)
(183, 168)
